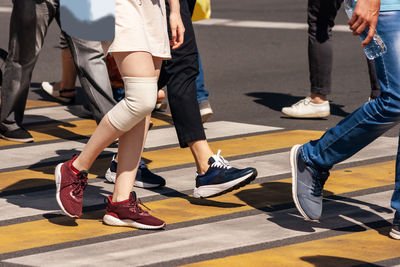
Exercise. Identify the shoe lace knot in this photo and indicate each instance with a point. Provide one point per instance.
(319, 180)
(220, 162)
(135, 206)
(80, 183)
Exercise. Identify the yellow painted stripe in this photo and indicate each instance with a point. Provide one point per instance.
(346, 250)
(233, 147)
(55, 131)
(72, 129)
(177, 156)
(40, 103)
(173, 210)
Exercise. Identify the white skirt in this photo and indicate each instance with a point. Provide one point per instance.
(140, 25)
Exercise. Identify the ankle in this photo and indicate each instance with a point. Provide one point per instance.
(119, 198)
(318, 98)
(77, 165)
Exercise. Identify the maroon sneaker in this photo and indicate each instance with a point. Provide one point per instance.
(129, 213)
(70, 186)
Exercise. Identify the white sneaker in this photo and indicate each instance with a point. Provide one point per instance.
(305, 108)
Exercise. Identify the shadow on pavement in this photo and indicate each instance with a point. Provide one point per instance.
(277, 101)
(331, 261)
(275, 194)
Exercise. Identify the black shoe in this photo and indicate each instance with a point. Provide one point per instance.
(144, 177)
(17, 135)
(395, 232)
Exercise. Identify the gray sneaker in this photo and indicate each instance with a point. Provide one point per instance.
(205, 110)
(307, 185)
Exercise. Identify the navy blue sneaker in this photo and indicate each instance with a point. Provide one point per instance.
(221, 178)
(144, 177)
(307, 185)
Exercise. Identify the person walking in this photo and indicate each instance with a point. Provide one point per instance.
(29, 22)
(140, 44)
(321, 16)
(311, 162)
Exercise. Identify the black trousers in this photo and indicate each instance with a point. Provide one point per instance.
(29, 22)
(321, 16)
(179, 74)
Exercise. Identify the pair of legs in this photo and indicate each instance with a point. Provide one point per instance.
(136, 64)
(321, 16)
(312, 161)
(29, 22)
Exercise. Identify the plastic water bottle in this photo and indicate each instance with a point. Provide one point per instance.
(376, 47)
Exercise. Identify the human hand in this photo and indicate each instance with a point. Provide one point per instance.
(365, 15)
(177, 29)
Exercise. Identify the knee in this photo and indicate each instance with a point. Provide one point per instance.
(140, 105)
(140, 99)
(388, 107)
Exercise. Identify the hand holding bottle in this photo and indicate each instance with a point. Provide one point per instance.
(365, 15)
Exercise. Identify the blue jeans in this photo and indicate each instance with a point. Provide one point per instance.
(202, 93)
(372, 119)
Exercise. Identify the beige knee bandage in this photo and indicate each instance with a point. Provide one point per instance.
(140, 99)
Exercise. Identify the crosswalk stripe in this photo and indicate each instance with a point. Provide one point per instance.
(344, 250)
(262, 24)
(21, 156)
(215, 237)
(66, 130)
(158, 158)
(53, 231)
(40, 103)
(57, 113)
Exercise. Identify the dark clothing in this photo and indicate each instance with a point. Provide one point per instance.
(29, 23)
(321, 19)
(179, 74)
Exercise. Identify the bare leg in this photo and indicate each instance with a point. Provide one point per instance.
(201, 152)
(68, 74)
(137, 64)
(318, 98)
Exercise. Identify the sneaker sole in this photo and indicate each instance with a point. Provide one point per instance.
(111, 220)
(146, 185)
(57, 175)
(293, 164)
(309, 116)
(394, 234)
(209, 190)
(26, 140)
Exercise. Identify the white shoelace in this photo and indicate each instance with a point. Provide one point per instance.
(306, 101)
(220, 162)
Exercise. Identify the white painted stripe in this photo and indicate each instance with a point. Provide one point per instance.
(58, 113)
(262, 24)
(5, 9)
(218, 129)
(158, 137)
(213, 237)
(183, 179)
